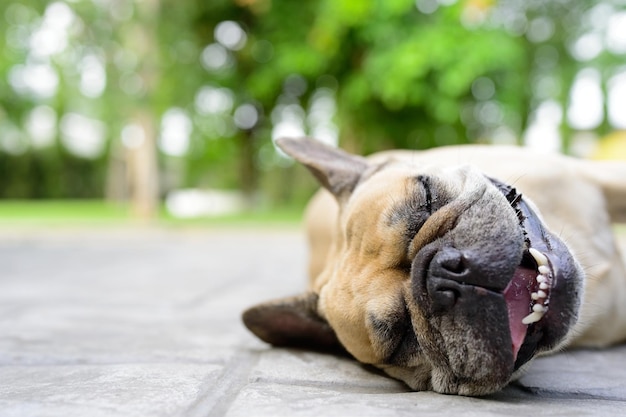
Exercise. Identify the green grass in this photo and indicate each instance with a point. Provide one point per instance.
(100, 213)
(60, 212)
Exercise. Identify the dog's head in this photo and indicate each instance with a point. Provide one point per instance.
(443, 277)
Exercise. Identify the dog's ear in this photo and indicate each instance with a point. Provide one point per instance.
(338, 171)
(292, 322)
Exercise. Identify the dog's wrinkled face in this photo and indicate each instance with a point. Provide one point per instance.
(436, 278)
(444, 278)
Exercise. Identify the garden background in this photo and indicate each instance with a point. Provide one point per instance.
(165, 108)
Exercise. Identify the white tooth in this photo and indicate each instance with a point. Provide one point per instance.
(544, 270)
(543, 286)
(540, 258)
(541, 279)
(534, 296)
(538, 308)
(532, 318)
(541, 294)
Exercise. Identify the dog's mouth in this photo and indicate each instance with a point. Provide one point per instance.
(543, 296)
(528, 300)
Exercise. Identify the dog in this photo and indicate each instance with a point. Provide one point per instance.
(452, 268)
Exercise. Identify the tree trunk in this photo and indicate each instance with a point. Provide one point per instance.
(143, 172)
(249, 174)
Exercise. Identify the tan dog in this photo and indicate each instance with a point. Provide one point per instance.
(432, 267)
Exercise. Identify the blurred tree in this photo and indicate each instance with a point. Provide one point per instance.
(408, 73)
(93, 91)
(93, 78)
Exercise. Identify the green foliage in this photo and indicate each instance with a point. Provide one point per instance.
(399, 75)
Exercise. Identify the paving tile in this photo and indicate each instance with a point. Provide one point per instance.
(590, 374)
(301, 368)
(285, 400)
(147, 323)
(157, 389)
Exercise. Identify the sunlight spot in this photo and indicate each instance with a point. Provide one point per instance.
(176, 128)
(83, 136)
(585, 110)
(92, 76)
(540, 29)
(51, 37)
(617, 100)
(288, 128)
(616, 33)
(215, 57)
(587, 47)
(295, 85)
(489, 113)
(598, 15)
(211, 100)
(503, 135)
(231, 35)
(246, 116)
(41, 126)
(133, 136)
(483, 88)
(121, 10)
(427, 6)
(292, 112)
(38, 80)
(320, 116)
(545, 87)
(191, 203)
(543, 133)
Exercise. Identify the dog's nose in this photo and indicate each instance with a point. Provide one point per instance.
(450, 263)
(448, 271)
(447, 278)
(443, 294)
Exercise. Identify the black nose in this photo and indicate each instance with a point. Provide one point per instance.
(451, 263)
(448, 271)
(446, 278)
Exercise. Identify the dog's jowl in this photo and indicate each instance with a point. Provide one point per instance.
(451, 269)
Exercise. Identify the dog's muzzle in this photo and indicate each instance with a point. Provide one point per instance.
(508, 315)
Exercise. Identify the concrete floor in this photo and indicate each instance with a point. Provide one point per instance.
(146, 323)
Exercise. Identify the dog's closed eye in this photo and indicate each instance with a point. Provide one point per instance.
(425, 182)
(421, 201)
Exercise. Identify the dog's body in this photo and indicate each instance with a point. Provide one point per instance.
(432, 267)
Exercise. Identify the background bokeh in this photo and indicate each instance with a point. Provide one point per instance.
(151, 102)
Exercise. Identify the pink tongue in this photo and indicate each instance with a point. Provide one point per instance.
(517, 297)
